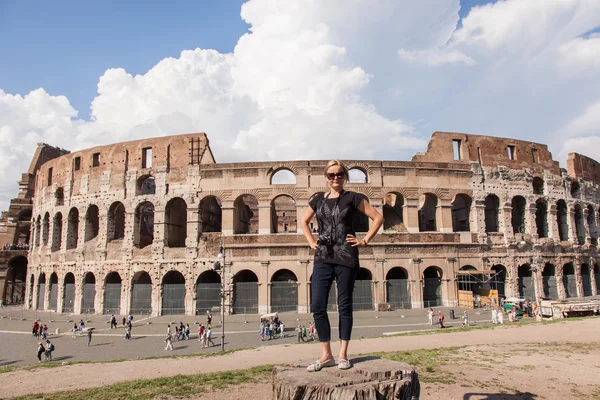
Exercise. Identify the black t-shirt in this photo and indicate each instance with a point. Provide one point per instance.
(335, 218)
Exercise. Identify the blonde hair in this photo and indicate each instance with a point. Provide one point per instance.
(333, 163)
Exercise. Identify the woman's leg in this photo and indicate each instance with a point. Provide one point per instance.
(321, 281)
(345, 278)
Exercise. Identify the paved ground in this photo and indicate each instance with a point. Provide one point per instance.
(19, 346)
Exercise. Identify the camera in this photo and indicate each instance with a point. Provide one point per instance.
(325, 239)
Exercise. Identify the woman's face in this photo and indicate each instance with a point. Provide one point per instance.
(336, 177)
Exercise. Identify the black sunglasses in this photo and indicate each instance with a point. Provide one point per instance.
(340, 175)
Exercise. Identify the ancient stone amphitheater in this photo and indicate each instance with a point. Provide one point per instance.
(137, 227)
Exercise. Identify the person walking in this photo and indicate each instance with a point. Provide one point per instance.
(208, 320)
(336, 257)
(209, 340)
(113, 322)
(127, 333)
(430, 315)
(49, 350)
(494, 315)
(441, 319)
(89, 335)
(281, 330)
(299, 330)
(40, 351)
(169, 341)
(465, 320)
(500, 317)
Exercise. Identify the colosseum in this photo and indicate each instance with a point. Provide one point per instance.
(138, 227)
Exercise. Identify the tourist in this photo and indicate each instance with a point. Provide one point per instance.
(336, 257)
(494, 315)
(45, 332)
(500, 317)
(169, 340)
(299, 330)
(208, 319)
(113, 322)
(75, 330)
(441, 319)
(200, 332)
(465, 320)
(123, 322)
(430, 315)
(209, 337)
(187, 331)
(89, 335)
(127, 333)
(35, 329)
(49, 349)
(40, 351)
(281, 330)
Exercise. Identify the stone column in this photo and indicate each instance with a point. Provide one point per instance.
(190, 294)
(411, 217)
(227, 222)
(303, 287)
(78, 294)
(572, 227)
(99, 301)
(191, 240)
(380, 282)
(478, 220)
(560, 283)
(593, 279)
(443, 216)
(156, 296)
(417, 286)
(60, 293)
(578, 277)
(553, 223)
(530, 221)
(264, 291)
(505, 224)
(264, 217)
(512, 278)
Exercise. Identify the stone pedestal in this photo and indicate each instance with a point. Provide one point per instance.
(370, 378)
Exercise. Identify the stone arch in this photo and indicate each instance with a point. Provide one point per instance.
(144, 225)
(283, 176)
(541, 218)
(176, 222)
(569, 280)
(88, 299)
(498, 280)
(141, 293)
(549, 285)
(57, 225)
(283, 215)
(245, 292)
(210, 214)
(245, 214)
(362, 297)
(112, 293)
(586, 280)
(92, 222)
(45, 229)
(579, 224)
(69, 293)
(525, 282)
(562, 220)
(518, 204)
(72, 228)
(284, 291)
(575, 189)
(145, 185)
(59, 196)
(428, 203)
(116, 221)
(432, 286)
(461, 213)
(393, 212)
(358, 175)
(361, 221)
(537, 185)
(208, 291)
(398, 288)
(173, 293)
(591, 222)
(15, 281)
(53, 292)
(41, 299)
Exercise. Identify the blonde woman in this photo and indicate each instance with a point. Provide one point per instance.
(336, 258)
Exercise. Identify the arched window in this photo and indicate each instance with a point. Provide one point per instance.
(144, 225)
(362, 297)
(591, 222)
(283, 215)
(88, 298)
(41, 299)
(176, 222)
(561, 217)
(146, 185)
(57, 224)
(538, 185)
(398, 289)
(549, 282)
(432, 287)
(210, 214)
(586, 280)
(575, 189)
(393, 212)
(45, 229)
(283, 177)
(579, 224)
(53, 291)
(141, 293)
(427, 212)
(497, 282)
(116, 221)
(72, 228)
(112, 294)
(284, 291)
(245, 292)
(569, 280)
(518, 214)
(208, 290)
(69, 293)
(541, 218)
(245, 214)
(525, 282)
(492, 210)
(461, 213)
(92, 222)
(357, 175)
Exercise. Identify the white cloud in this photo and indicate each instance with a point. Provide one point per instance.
(343, 78)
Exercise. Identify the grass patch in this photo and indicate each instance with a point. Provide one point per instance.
(181, 386)
(56, 364)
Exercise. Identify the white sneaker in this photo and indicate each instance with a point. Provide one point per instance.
(318, 365)
(344, 364)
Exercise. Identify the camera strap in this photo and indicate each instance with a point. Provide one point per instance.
(332, 215)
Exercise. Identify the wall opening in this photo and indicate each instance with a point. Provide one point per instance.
(492, 211)
(147, 157)
(283, 215)
(176, 222)
(92, 222)
(112, 294)
(456, 149)
(518, 214)
(57, 232)
(116, 221)
(96, 160)
(283, 177)
(53, 292)
(362, 296)
(45, 229)
(498, 280)
(357, 175)
(511, 152)
(538, 185)
(461, 213)
(88, 299)
(72, 229)
(525, 282)
(146, 185)
(41, 298)
(69, 293)
(245, 292)
(575, 189)
(398, 289)
(284, 291)
(141, 294)
(591, 223)
(427, 212)
(208, 292)
(586, 280)
(579, 225)
(15, 281)
(144, 225)
(393, 213)
(245, 214)
(569, 280)
(210, 215)
(561, 219)
(432, 287)
(541, 218)
(549, 282)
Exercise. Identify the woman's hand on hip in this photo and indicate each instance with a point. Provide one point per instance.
(354, 241)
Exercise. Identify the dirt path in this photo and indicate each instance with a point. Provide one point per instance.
(81, 376)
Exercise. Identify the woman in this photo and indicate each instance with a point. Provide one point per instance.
(336, 257)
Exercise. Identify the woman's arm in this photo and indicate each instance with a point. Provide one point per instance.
(372, 213)
(305, 228)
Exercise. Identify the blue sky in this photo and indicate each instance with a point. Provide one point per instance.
(65, 46)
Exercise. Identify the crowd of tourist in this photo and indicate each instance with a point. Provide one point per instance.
(18, 246)
(271, 328)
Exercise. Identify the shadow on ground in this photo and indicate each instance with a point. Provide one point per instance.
(500, 396)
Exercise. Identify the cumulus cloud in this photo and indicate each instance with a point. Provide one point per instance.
(343, 78)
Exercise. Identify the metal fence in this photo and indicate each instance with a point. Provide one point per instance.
(112, 298)
(587, 284)
(141, 298)
(362, 297)
(570, 285)
(53, 296)
(432, 292)
(550, 287)
(398, 293)
(208, 295)
(15, 292)
(284, 296)
(173, 298)
(245, 298)
(526, 289)
(41, 296)
(89, 298)
(69, 298)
